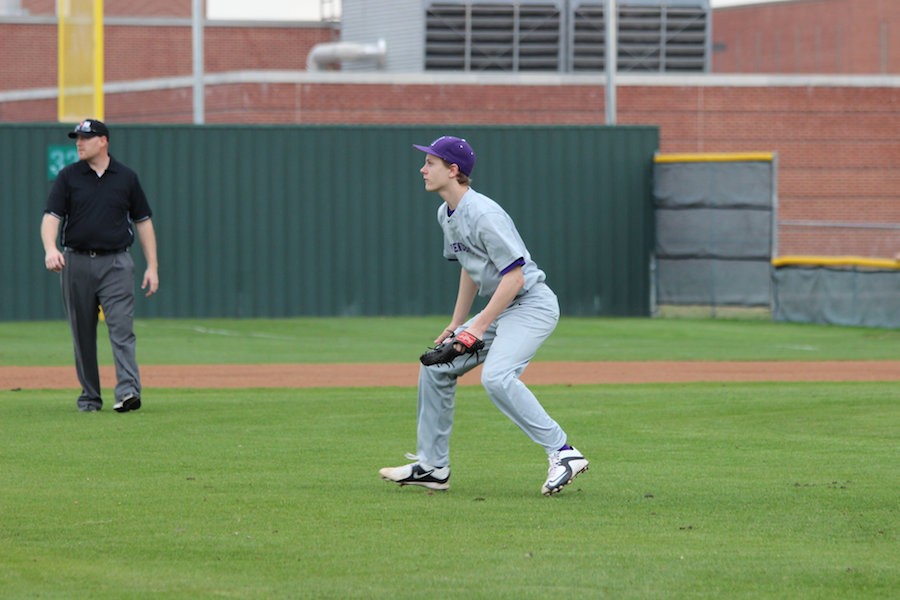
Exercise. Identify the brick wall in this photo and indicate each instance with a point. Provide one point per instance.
(29, 53)
(167, 52)
(142, 8)
(133, 52)
(808, 36)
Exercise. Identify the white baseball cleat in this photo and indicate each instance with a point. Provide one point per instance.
(565, 465)
(434, 478)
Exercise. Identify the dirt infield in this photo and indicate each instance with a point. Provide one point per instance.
(402, 375)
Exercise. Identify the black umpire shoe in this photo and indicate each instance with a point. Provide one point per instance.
(129, 402)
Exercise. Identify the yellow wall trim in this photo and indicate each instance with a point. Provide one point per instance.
(836, 261)
(715, 157)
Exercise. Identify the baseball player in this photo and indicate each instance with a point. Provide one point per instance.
(522, 312)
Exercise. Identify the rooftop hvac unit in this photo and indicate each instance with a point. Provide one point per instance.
(530, 35)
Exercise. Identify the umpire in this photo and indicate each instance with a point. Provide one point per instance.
(99, 202)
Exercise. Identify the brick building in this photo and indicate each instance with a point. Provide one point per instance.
(808, 36)
(814, 80)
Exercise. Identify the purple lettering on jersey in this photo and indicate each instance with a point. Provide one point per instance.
(458, 247)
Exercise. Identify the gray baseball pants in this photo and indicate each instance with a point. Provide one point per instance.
(510, 344)
(108, 281)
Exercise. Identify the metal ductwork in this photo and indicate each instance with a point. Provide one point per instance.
(336, 53)
(11, 8)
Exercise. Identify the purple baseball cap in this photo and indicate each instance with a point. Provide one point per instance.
(454, 150)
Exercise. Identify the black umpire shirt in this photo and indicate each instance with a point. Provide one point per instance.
(97, 212)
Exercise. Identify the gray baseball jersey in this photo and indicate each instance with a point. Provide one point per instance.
(485, 241)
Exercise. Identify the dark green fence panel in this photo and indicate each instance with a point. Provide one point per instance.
(275, 221)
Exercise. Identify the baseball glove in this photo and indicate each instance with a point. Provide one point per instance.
(451, 348)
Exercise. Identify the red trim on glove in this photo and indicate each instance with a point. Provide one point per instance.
(466, 339)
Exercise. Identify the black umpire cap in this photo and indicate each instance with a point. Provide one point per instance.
(90, 128)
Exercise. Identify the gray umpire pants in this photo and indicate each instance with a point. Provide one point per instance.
(108, 281)
(509, 345)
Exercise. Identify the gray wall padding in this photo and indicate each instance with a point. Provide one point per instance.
(838, 296)
(713, 282)
(713, 184)
(712, 233)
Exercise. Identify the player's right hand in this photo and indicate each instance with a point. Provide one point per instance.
(54, 261)
(444, 335)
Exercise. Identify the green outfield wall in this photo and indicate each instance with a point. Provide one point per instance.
(275, 221)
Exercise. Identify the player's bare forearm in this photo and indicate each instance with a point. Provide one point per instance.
(147, 236)
(53, 258)
(464, 299)
(510, 286)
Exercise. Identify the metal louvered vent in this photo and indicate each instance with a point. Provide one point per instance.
(662, 38)
(446, 37)
(639, 38)
(685, 39)
(543, 36)
(540, 37)
(493, 37)
(588, 39)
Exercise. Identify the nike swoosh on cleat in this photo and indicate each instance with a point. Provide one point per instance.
(422, 474)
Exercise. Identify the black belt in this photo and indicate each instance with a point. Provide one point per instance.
(93, 253)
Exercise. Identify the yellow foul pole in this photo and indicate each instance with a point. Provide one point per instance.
(80, 60)
(98, 59)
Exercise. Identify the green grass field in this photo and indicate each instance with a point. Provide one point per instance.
(714, 490)
(325, 340)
